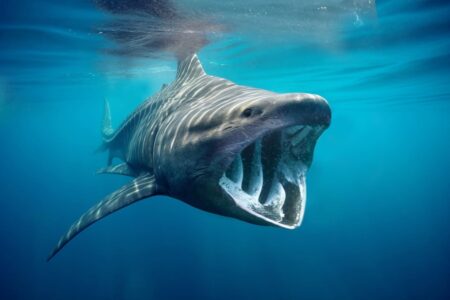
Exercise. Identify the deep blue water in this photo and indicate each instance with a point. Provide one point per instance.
(377, 222)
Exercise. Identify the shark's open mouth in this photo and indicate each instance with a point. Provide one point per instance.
(268, 178)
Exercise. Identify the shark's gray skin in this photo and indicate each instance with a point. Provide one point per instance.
(228, 149)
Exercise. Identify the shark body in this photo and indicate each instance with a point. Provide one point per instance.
(227, 149)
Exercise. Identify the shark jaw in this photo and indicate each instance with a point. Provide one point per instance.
(267, 179)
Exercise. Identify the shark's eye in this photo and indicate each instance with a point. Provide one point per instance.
(247, 112)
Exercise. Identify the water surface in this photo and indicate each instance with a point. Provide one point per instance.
(377, 219)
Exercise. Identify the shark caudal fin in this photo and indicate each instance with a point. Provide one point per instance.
(141, 187)
(107, 130)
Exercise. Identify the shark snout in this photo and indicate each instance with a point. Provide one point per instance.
(319, 110)
(306, 109)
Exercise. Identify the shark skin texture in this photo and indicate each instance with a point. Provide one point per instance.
(227, 149)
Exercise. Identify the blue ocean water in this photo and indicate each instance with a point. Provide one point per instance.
(377, 220)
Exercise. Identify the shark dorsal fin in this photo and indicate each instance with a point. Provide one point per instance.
(189, 68)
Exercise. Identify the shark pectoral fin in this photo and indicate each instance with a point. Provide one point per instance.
(138, 189)
(121, 169)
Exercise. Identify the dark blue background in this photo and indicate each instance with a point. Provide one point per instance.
(377, 219)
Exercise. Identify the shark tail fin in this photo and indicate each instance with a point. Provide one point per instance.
(107, 130)
(141, 187)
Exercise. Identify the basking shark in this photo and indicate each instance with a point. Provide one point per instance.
(231, 150)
